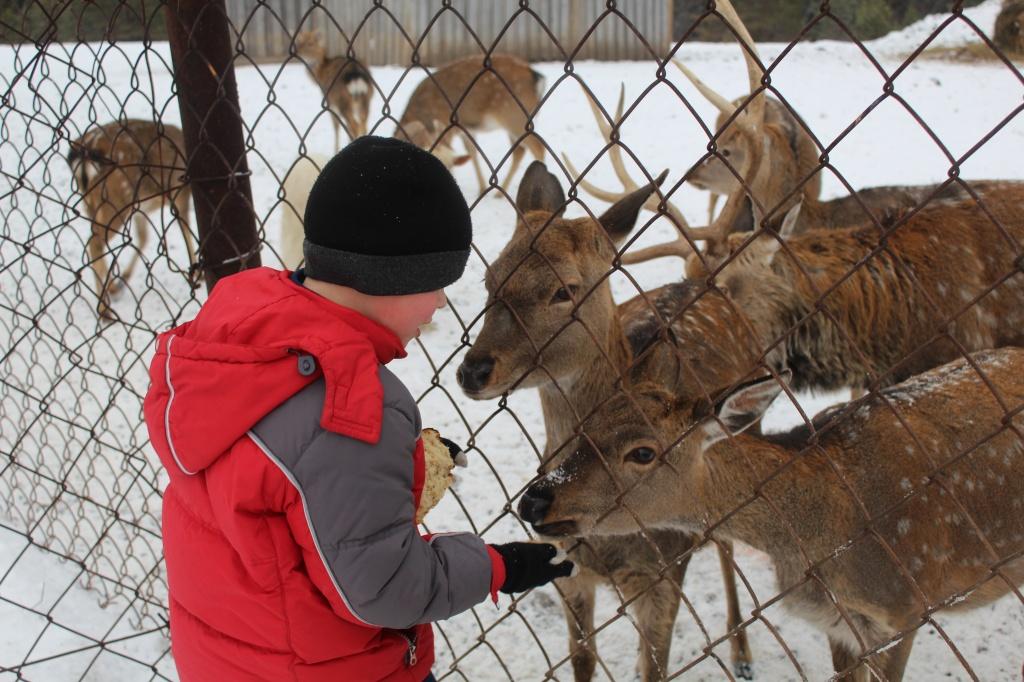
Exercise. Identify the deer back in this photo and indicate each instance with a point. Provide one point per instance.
(499, 97)
(885, 304)
(125, 162)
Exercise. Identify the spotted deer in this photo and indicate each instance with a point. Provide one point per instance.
(859, 306)
(1008, 34)
(123, 170)
(766, 144)
(551, 324)
(346, 84)
(875, 515)
(504, 95)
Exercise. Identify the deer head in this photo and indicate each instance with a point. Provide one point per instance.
(640, 462)
(548, 291)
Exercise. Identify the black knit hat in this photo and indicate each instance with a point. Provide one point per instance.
(386, 218)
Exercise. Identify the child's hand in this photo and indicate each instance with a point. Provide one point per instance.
(531, 564)
(458, 456)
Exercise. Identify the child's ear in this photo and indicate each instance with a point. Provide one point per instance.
(742, 408)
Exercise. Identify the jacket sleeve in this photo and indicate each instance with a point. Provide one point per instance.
(360, 543)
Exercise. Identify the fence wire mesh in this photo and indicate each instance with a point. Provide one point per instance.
(877, 518)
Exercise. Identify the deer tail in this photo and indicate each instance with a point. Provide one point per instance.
(540, 84)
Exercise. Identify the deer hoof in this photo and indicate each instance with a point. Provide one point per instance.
(744, 670)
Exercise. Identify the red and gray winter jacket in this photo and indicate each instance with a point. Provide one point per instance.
(295, 468)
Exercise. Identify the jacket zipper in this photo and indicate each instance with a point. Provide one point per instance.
(410, 656)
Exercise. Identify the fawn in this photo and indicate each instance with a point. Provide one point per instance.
(874, 515)
(123, 170)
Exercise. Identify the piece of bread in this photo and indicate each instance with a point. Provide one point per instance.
(438, 465)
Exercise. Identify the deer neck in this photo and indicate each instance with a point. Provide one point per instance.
(786, 519)
(574, 395)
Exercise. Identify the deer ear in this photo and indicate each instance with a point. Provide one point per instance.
(788, 227)
(460, 159)
(619, 219)
(540, 190)
(742, 408)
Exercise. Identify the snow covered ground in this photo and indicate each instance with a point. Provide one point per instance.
(831, 84)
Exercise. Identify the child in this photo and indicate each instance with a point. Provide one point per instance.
(294, 455)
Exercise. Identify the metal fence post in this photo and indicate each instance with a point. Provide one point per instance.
(204, 75)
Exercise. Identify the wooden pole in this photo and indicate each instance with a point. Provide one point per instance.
(204, 76)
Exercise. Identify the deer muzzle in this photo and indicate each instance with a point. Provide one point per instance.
(534, 507)
(474, 374)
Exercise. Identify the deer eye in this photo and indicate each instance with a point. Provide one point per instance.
(565, 294)
(641, 455)
(726, 153)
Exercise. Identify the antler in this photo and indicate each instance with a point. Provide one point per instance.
(678, 247)
(749, 123)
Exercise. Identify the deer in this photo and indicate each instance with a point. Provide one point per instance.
(875, 514)
(295, 188)
(764, 162)
(123, 170)
(346, 84)
(551, 324)
(1008, 34)
(468, 96)
(863, 307)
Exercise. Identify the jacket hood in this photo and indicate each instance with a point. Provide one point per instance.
(259, 339)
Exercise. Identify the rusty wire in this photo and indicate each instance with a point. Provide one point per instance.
(81, 491)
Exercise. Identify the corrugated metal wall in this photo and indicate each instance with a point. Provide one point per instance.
(387, 34)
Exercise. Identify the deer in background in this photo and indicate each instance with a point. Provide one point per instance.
(854, 306)
(296, 186)
(502, 96)
(912, 502)
(123, 170)
(346, 84)
(767, 145)
(1008, 34)
(551, 324)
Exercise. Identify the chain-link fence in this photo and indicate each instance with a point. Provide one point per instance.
(868, 231)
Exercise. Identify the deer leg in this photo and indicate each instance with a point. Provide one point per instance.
(471, 150)
(656, 609)
(893, 661)
(742, 661)
(179, 210)
(844, 659)
(578, 595)
(536, 148)
(337, 133)
(96, 248)
(142, 229)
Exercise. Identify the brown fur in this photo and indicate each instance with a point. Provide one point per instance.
(927, 488)
(124, 170)
(503, 96)
(1009, 30)
(887, 310)
(535, 340)
(789, 157)
(346, 84)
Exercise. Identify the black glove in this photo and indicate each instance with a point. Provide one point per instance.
(458, 456)
(531, 564)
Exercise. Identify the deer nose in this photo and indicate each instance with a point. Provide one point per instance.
(472, 375)
(535, 504)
